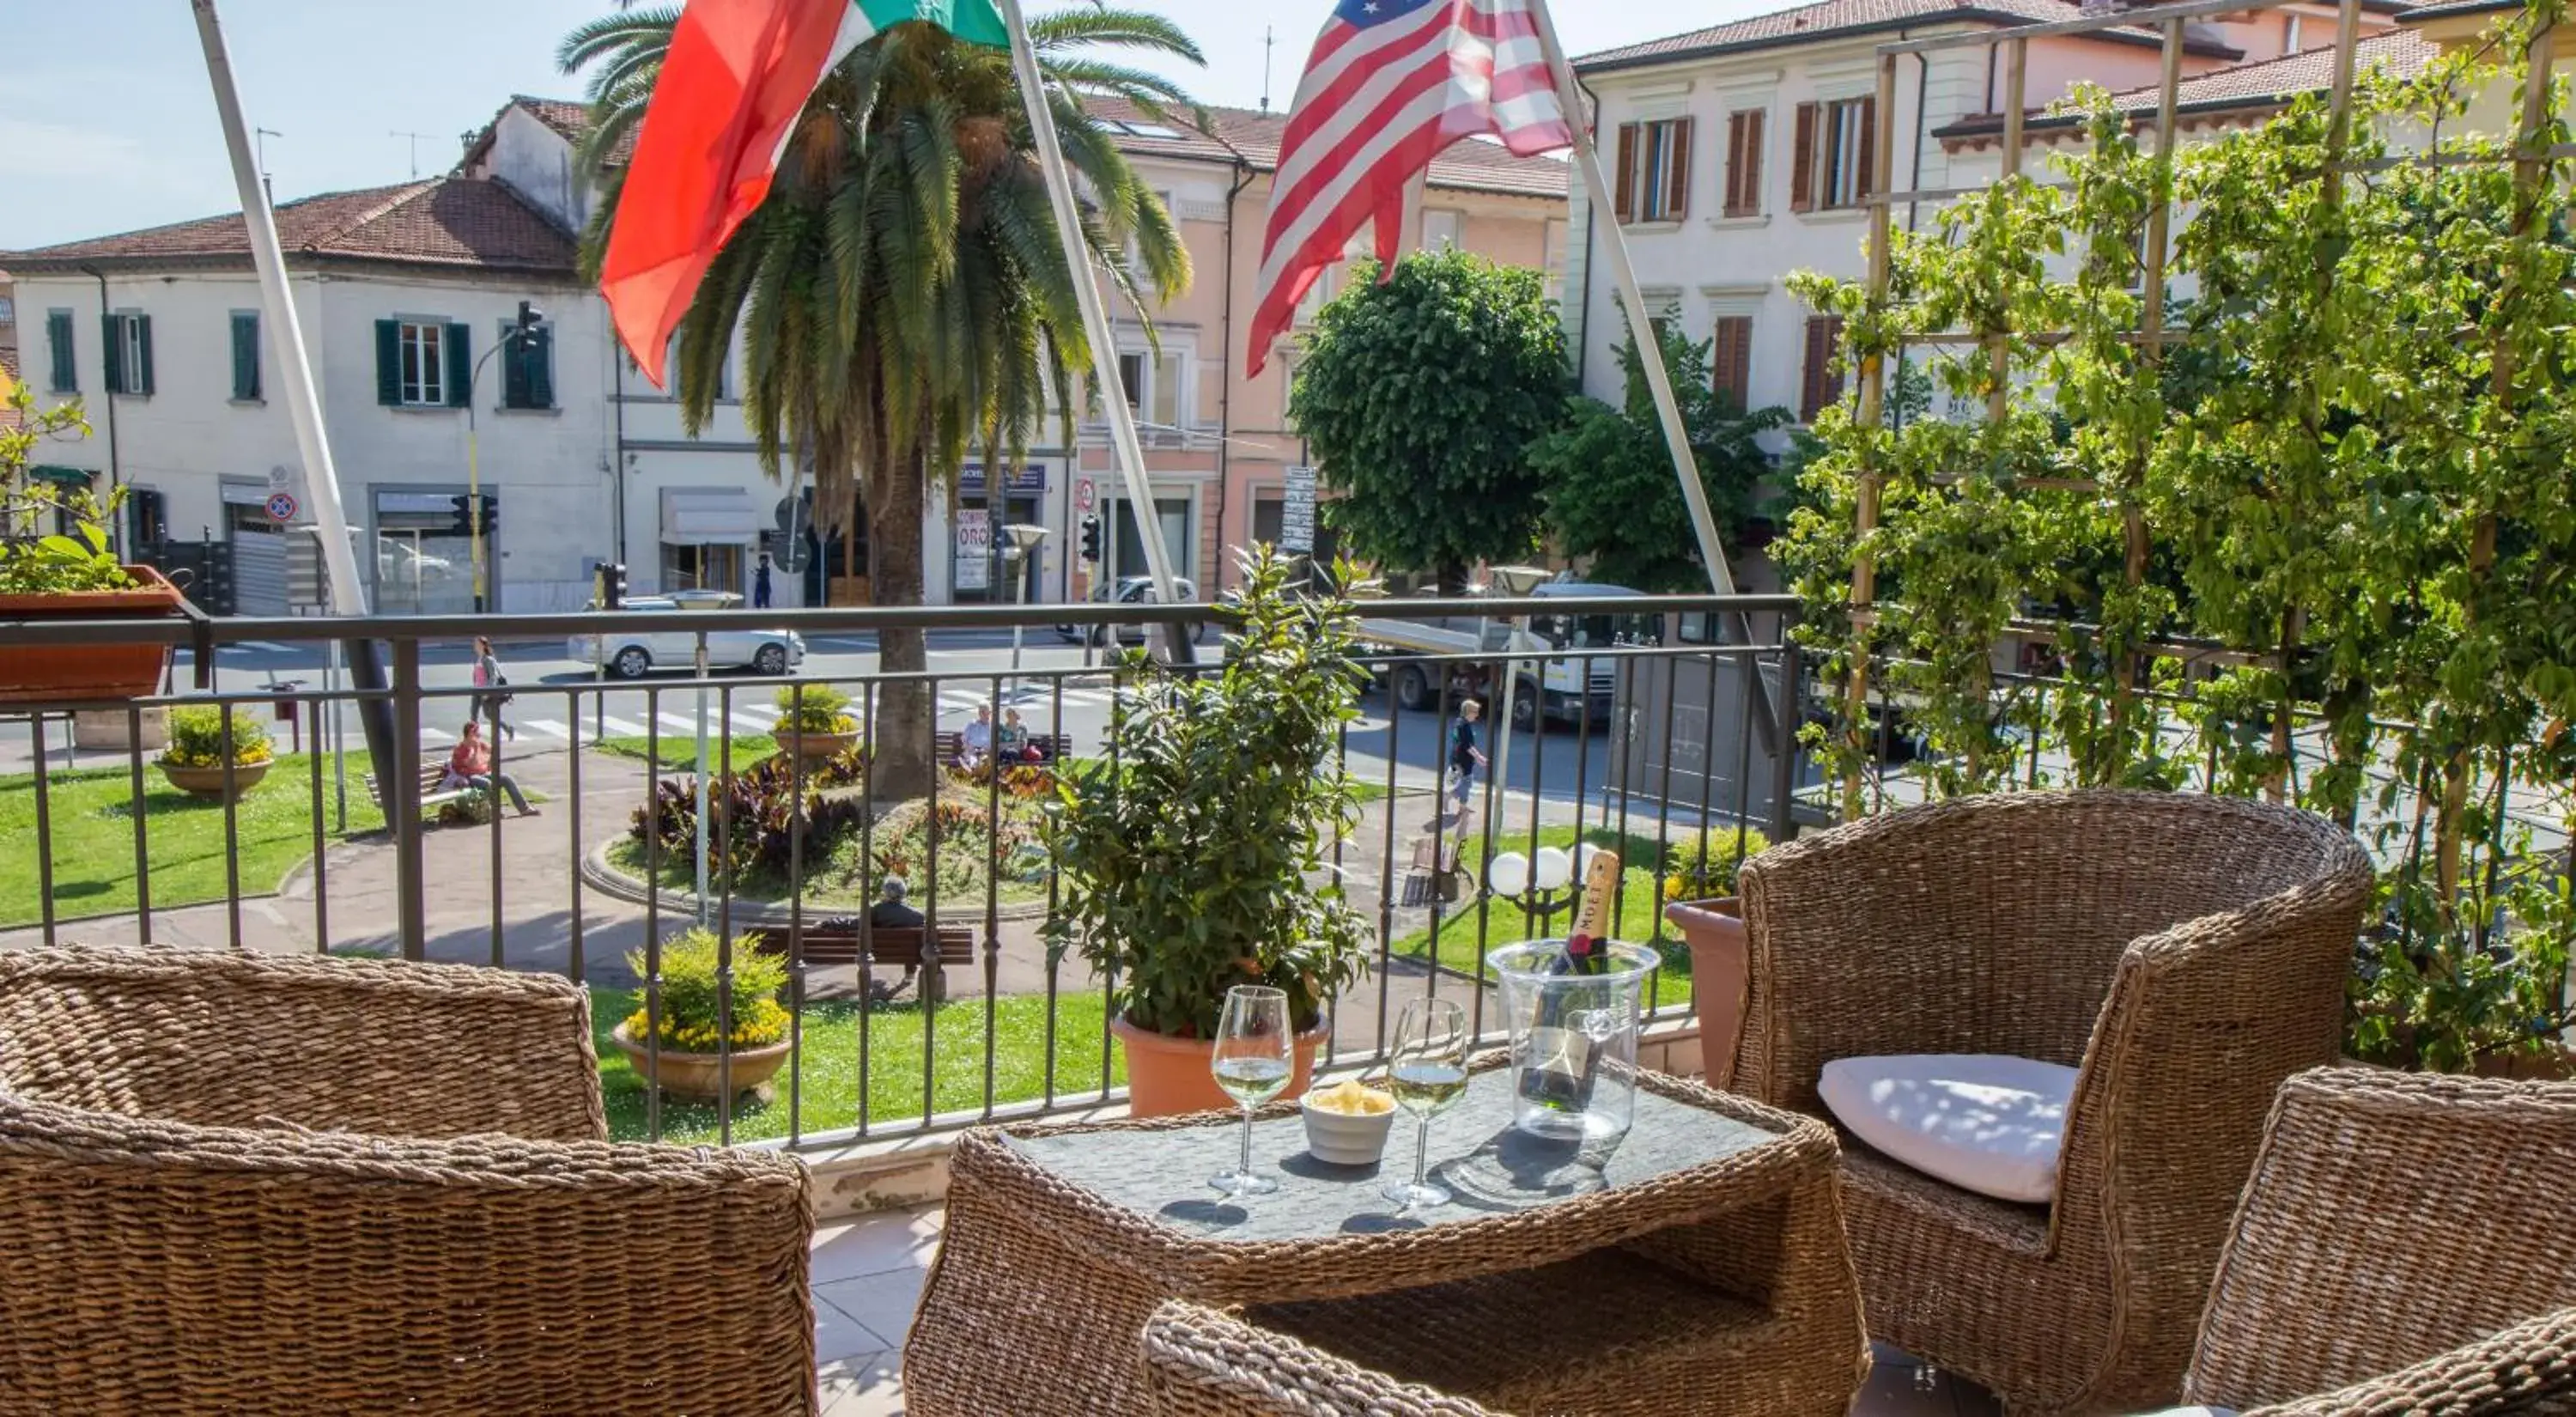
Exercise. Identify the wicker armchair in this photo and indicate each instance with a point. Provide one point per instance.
(266, 1186)
(2407, 1245)
(2185, 953)
(1203, 1363)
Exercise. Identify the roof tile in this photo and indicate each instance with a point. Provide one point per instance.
(2265, 84)
(1806, 22)
(444, 221)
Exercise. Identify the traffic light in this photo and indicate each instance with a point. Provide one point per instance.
(612, 586)
(1091, 537)
(464, 506)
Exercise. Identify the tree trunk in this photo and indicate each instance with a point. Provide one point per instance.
(902, 765)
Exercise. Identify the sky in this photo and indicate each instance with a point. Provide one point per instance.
(107, 124)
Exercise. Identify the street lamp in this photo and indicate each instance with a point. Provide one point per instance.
(1019, 542)
(530, 320)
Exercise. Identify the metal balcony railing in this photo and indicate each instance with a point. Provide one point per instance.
(1662, 747)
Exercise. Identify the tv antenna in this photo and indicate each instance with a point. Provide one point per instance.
(415, 147)
(260, 137)
(1269, 41)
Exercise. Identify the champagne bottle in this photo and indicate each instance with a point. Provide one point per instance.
(1557, 1072)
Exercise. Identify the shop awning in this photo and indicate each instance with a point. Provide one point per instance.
(713, 518)
(60, 476)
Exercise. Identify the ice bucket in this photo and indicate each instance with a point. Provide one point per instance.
(1574, 1038)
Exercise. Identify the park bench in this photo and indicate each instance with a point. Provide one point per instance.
(948, 743)
(431, 775)
(836, 942)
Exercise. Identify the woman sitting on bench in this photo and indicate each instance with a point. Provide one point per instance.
(471, 766)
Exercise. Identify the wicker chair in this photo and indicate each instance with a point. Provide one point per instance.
(266, 1186)
(2185, 953)
(1202, 1363)
(2407, 1245)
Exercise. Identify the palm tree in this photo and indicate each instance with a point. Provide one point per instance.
(902, 294)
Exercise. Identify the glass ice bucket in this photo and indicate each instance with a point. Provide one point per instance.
(1574, 1039)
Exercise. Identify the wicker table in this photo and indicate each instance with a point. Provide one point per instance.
(1700, 1267)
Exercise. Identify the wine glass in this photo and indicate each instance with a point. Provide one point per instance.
(1252, 1065)
(1427, 1072)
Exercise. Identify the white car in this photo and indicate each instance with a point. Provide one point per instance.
(632, 656)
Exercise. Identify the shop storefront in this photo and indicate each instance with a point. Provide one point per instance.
(708, 536)
(976, 568)
(424, 561)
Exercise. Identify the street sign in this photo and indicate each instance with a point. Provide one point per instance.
(1297, 513)
(1085, 496)
(281, 507)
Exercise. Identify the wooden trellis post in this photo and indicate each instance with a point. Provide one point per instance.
(1870, 413)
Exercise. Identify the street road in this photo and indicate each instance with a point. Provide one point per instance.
(559, 702)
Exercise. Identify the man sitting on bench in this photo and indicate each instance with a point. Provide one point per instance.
(889, 913)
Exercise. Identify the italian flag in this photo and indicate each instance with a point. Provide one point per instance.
(737, 75)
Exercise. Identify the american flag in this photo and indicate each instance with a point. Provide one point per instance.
(1390, 84)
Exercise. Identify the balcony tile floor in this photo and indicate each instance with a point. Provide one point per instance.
(868, 1273)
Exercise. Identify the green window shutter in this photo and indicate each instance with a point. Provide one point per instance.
(389, 362)
(245, 356)
(460, 365)
(514, 370)
(143, 384)
(58, 339)
(538, 353)
(115, 341)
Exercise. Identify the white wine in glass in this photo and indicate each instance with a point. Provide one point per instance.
(1427, 1073)
(1251, 1065)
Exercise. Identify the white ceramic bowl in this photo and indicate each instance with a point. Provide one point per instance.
(1346, 1138)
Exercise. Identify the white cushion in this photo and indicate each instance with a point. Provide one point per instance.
(1981, 1121)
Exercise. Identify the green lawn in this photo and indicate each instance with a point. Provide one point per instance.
(680, 750)
(92, 819)
(1638, 914)
(827, 1065)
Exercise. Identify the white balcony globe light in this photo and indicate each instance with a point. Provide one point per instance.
(1509, 874)
(1555, 869)
(1583, 859)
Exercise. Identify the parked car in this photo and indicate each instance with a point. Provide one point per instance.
(1131, 590)
(632, 656)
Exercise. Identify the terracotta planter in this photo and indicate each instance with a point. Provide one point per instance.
(814, 747)
(696, 1077)
(1167, 1076)
(97, 673)
(1721, 975)
(209, 784)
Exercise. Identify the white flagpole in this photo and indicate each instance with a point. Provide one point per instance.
(1095, 324)
(322, 479)
(1659, 380)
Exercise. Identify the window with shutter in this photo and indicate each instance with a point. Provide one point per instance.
(541, 368)
(1839, 156)
(1625, 201)
(421, 364)
(1677, 171)
(460, 366)
(246, 356)
(389, 362)
(1820, 385)
(66, 359)
(111, 338)
(139, 369)
(1802, 160)
(1731, 360)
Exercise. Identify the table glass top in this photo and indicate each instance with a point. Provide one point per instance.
(1487, 1164)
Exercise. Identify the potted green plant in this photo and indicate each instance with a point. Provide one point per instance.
(1199, 856)
(683, 1058)
(67, 575)
(1699, 884)
(814, 722)
(212, 759)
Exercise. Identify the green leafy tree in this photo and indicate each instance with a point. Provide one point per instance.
(901, 295)
(1420, 396)
(1611, 496)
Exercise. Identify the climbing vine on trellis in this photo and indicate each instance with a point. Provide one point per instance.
(2304, 529)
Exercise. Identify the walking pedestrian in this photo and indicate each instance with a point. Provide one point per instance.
(491, 684)
(1465, 758)
(760, 583)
